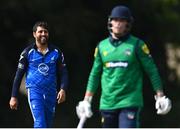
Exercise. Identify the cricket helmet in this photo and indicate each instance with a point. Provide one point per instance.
(121, 12)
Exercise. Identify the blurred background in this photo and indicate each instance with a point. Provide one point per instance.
(76, 27)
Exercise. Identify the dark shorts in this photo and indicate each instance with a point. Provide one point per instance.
(120, 118)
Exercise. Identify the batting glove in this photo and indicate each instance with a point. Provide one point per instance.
(163, 105)
(84, 109)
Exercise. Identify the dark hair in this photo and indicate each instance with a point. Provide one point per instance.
(41, 24)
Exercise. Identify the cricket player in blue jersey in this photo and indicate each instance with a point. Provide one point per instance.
(46, 77)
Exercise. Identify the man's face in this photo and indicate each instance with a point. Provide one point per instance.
(41, 35)
(119, 26)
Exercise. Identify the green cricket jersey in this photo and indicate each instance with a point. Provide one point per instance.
(119, 69)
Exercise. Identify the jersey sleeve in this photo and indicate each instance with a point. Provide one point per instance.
(21, 69)
(96, 71)
(62, 70)
(149, 66)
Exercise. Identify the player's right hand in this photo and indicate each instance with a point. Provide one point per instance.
(84, 109)
(61, 97)
(13, 103)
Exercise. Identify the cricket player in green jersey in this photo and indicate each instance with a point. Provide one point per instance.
(118, 66)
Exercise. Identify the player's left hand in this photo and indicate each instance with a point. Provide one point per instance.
(163, 105)
(61, 97)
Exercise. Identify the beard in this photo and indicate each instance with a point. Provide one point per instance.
(43, 40)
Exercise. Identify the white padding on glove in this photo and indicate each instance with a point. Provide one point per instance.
(84, 109)
(163, 105)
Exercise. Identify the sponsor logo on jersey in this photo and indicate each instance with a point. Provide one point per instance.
(116, 64)
(43, 68)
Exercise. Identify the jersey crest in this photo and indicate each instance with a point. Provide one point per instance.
(127, 52)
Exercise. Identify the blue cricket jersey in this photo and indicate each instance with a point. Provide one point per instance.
(44, 73)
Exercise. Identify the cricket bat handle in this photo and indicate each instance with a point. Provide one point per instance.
(81, 122)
